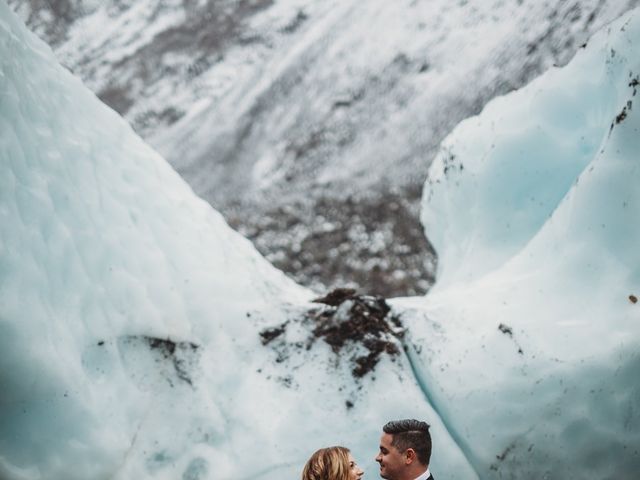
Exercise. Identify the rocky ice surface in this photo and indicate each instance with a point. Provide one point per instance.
(140, 337)
(310, 125)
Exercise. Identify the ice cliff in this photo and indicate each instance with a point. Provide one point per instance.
(530, 346)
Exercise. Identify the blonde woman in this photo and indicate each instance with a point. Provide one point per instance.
(332, 463)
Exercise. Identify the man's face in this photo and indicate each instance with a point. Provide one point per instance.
(392, 462)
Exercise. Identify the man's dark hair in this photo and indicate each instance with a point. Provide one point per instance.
(411, 434)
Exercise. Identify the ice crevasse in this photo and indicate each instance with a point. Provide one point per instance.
(529, 343)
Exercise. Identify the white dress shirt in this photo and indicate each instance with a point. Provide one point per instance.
(425, 475)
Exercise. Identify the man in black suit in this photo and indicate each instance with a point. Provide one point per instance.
(405, 451)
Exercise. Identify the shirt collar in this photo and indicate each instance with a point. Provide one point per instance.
(425, 475)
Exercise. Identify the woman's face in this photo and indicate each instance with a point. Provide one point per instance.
(355, 472)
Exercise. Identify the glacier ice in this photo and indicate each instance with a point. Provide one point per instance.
(130, 312)
(104, 251)
(532, 207)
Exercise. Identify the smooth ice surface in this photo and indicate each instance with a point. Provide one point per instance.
(130, 313)
(530, 341)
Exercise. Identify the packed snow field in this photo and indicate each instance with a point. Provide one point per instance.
(305, 122)
(141, 337)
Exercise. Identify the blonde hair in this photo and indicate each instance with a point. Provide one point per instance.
(330, 463)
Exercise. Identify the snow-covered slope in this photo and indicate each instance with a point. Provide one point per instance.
(529, 346)
(278, 112)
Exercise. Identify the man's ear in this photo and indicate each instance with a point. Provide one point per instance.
(410, 456)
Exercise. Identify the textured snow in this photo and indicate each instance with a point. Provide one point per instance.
(533, 331)
(102, 244)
